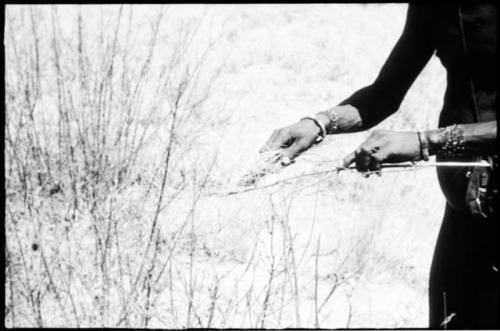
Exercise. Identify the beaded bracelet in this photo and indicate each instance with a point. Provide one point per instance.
(453, 138)
(332, 127)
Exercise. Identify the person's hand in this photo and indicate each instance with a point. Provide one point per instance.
(296, 138)
(385, 147)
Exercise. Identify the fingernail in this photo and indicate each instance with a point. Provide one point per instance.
(285, 160)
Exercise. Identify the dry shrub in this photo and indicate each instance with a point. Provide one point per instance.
(112, 148)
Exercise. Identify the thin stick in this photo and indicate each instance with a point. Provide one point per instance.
(395, 167)
(316, 278)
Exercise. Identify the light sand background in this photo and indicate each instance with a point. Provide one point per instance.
(257, 251)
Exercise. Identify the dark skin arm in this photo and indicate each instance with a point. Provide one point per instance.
(372, 104)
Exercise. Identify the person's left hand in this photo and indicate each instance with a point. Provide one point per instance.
(384, 146)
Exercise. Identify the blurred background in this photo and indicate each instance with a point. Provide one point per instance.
(121, 121)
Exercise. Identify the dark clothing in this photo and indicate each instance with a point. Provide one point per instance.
(436, 29)
(462, 273)
(467, 49)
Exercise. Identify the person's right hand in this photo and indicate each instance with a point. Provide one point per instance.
(296, 138)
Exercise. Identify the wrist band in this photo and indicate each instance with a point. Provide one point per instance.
(332, 127)
(424, 146)
(322, 130)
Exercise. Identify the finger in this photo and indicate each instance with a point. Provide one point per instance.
(299, 146)
(349, 159)
(268, 143)
(375, 164)
(378, 159)
(279, 139)
(363, 158)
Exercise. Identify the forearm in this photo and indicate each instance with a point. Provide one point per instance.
(341, 119)
(477, 138)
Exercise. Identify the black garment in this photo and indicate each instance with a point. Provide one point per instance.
(436, 29)
(467, 49)
(463, 274)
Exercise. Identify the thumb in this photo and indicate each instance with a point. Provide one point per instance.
(293, 151)
(349, 159)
